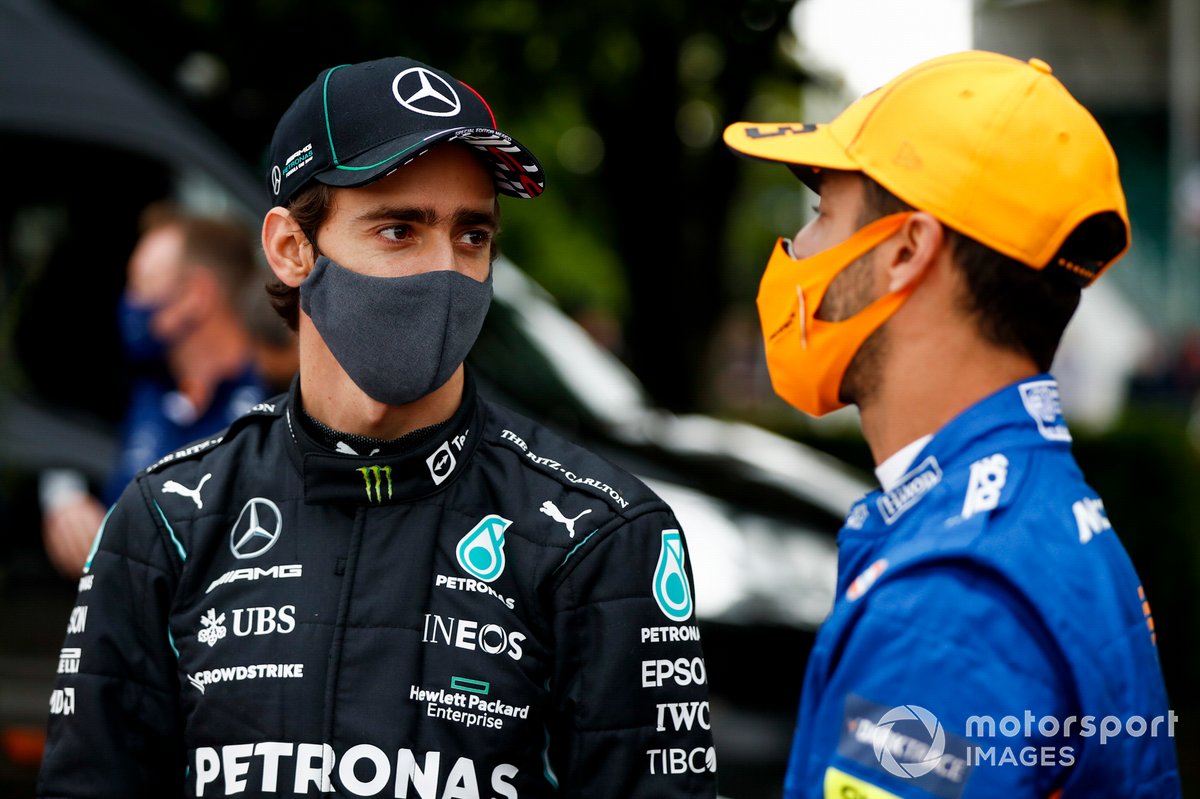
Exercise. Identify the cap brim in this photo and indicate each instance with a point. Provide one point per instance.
(515, 170)
(789, 143)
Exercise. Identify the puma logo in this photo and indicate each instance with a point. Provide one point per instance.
(172, 487)
(551, 510)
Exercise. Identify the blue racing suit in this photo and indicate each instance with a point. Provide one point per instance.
(159, 421)
(989, 636)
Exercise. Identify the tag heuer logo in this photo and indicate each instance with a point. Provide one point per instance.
(441, 463)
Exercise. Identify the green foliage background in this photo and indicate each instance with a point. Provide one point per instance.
(624, 103)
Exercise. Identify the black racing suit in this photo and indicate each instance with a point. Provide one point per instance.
(495, 613)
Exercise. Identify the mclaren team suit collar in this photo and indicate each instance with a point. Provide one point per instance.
(1026, 414)
(427, 468)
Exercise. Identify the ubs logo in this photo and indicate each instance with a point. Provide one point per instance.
(256, 530)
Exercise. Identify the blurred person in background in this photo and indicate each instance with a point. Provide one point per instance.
(276, 351)
(380, 583)
(184, 331)
(963, 207)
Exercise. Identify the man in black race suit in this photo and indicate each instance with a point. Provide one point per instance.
(379, 583)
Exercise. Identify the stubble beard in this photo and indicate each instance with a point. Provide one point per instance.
(849, 293)
(860, 384)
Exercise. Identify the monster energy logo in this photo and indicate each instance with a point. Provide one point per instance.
(373, 478)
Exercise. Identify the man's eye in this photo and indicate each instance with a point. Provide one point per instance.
(396, 232)
(477, 238)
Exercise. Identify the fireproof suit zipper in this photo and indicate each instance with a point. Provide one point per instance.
(343, 616)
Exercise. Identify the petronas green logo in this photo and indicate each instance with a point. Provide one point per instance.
(481, 551)
(377, 479)
(671, 588)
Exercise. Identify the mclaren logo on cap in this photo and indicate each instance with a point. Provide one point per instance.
(425, 92)
(780, 130)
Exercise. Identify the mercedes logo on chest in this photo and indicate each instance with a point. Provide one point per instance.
(425, 92)
(256, 530)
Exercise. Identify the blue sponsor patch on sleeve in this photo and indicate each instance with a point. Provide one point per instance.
(908, 743)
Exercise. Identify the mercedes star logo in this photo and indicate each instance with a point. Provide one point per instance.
(256, 529)
(424, 92)
(276, 178)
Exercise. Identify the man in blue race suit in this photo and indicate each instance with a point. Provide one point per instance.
(989, 636)
(186, 338)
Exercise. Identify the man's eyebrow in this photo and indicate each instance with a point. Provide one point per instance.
(429, 216)
(466, 217)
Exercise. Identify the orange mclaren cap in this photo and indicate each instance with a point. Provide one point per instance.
(994, 147)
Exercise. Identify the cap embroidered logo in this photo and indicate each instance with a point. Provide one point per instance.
(424, 92)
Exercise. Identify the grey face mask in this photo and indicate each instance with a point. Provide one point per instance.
(399, 338)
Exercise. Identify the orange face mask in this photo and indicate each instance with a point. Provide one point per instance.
(807, 357)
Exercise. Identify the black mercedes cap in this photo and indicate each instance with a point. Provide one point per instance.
(358, 122)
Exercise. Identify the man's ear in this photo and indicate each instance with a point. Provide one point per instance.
(288, 251)
(913, 250)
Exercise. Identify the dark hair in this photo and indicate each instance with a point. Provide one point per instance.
(1015, 306)
(309, 208)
